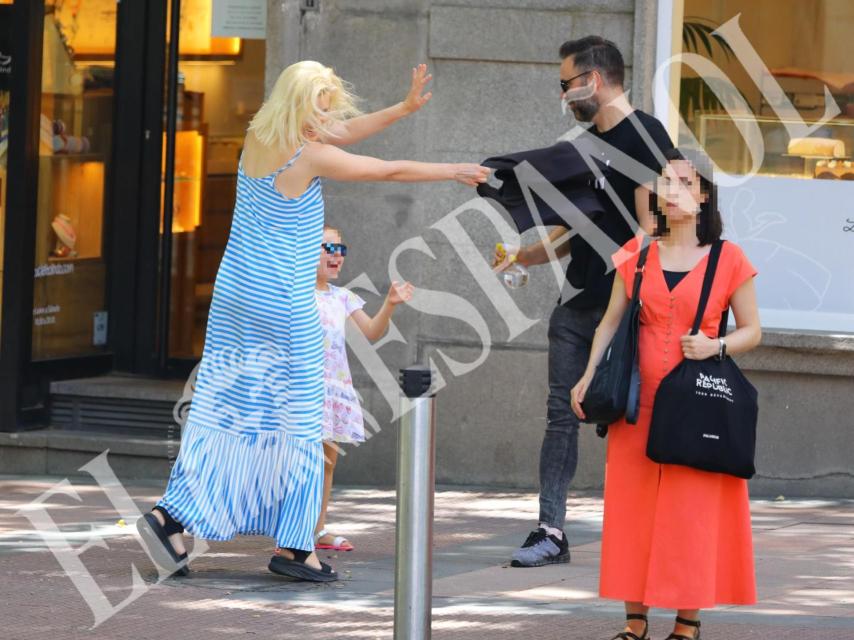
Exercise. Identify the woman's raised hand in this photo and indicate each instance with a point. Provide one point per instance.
(471, 174)
(414, 100)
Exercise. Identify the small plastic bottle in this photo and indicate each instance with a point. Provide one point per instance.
(516, 275)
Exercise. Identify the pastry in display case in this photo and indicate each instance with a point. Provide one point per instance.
(816, 148)
(834, 170)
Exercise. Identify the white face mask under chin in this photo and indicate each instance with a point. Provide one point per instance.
(573, 95)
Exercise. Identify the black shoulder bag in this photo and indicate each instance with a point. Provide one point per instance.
(705, 411)
(614, 390)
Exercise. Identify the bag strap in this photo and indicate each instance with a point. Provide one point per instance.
(639, 269)
(633, 400)
(724, 322)
(708, 279)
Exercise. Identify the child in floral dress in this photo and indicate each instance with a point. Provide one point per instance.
(342, 413)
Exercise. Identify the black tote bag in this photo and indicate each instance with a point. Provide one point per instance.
(614, 391)
(705, 411)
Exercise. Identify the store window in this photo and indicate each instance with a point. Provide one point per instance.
(779, 124)
(76, 130)
(220, 87)
(803, 53)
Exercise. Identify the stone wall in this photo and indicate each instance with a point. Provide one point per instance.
(495, 68)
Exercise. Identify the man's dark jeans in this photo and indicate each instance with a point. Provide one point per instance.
(570, 336)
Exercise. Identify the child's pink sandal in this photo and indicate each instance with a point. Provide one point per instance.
(339, 543)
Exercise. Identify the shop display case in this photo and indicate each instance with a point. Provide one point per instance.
(189, 178)
(827, 154)
(75, 145)
(69, 286)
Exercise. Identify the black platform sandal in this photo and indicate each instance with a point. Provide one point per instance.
(298, 569)
(156, 538)
(687, 623)
(628, 635)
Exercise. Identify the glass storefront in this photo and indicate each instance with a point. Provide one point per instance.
(89, 142)
(75, 138)
(772, 103)
(220, 86)
(803, 53)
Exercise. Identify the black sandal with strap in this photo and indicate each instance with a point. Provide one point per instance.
(299, 570)
(156, 538)
(628, 635)
(687, 623)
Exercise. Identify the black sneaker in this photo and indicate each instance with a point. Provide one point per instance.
(540, 549)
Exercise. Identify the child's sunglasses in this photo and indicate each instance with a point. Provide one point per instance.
(334, 247)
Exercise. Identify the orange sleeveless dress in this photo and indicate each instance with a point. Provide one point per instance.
(673, 537)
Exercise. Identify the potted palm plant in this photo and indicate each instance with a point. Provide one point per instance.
(698, 36)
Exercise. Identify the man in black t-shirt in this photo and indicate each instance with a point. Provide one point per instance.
(592, 74)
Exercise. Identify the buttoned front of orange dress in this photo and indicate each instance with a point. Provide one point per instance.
(673, 537)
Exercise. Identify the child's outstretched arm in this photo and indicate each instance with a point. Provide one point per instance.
(375, 327)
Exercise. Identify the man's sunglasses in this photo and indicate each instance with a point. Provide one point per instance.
(564, 84)
(334, 247)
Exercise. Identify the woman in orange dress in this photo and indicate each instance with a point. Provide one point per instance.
(675, 537)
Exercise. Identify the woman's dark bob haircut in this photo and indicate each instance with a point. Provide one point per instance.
(709, 223)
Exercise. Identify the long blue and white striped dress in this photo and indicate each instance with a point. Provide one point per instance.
(251, 458)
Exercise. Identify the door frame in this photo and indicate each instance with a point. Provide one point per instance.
(21, 203)
(149, 354)
(150, 351)
(136, 330)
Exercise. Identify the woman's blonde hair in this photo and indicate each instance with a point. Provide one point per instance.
(293, 106)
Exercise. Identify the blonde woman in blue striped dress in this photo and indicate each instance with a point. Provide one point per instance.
(251, 459)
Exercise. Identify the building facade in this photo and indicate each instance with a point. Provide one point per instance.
(107, 121)
(495, 68)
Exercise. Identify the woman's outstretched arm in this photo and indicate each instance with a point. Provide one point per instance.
(328, 161)
(362, 127)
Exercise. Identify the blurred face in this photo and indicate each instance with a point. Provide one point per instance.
(679, 191)
(330, 264)
(582, 83)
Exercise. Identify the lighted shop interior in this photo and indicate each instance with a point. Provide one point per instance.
(804, 50)
(221, 84)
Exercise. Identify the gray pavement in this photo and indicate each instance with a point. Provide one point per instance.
(804, 551)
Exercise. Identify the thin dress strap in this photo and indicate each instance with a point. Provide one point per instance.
(289, 162)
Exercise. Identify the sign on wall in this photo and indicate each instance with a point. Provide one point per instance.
(239, 19)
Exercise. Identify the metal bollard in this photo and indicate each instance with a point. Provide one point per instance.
(416, 478)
